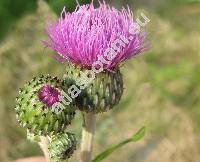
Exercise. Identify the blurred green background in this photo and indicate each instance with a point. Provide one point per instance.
(162, 87)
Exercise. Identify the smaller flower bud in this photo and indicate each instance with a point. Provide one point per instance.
(62, 146)
(35, 106)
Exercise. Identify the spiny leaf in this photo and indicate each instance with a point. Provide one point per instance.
(134, 138)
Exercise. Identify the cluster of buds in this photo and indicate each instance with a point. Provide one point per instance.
(34, 108)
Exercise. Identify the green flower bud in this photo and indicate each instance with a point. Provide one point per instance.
(62, 146)
(35, 106)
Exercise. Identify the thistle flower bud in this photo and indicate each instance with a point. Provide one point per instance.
(62, 146)
(35, 106)
(98, 94)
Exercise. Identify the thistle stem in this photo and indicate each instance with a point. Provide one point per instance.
(88, 132)
(44, 141)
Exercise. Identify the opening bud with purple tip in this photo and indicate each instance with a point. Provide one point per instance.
(35, 106)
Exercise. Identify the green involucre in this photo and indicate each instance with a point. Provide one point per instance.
(101, 94)
(35, 115)
(62, 146)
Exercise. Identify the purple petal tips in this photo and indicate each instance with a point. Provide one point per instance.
(86, 34)
(48, 95)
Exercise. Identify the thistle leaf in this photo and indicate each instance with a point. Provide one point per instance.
(136, 137)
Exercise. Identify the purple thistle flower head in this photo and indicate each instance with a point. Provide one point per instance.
(87, 34)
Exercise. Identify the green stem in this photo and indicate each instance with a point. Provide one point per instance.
(88, 132)
(44, 141)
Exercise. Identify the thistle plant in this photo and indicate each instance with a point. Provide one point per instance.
(92, 43)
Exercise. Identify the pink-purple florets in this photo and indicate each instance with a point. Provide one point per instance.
(48, 95)
(80, 37)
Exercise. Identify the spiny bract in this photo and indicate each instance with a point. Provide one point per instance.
(34, 106)
(62, 146)
(101, 94)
